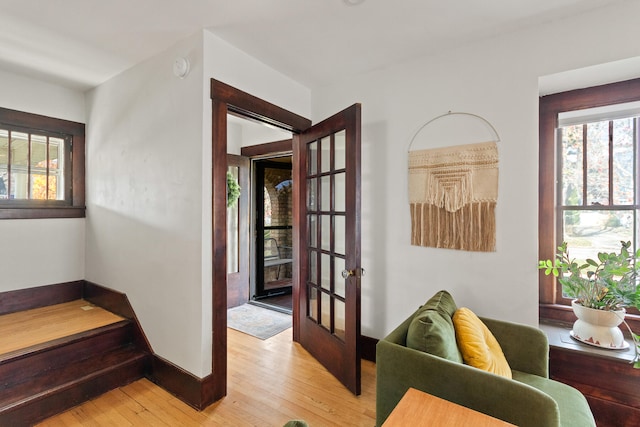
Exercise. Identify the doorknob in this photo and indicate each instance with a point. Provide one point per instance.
(358, 272)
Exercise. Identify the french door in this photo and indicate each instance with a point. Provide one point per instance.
(326, 159)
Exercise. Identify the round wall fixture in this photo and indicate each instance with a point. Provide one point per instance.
(181, 67)
(352, 2)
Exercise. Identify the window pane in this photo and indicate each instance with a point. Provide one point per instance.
(338, 280)
(313, 303)
(39, 167)
(340, 234)
(4, 160)
(339, 318)
(325, 189)
(325, 263)
(590, 232)
(56, 166)
(325, 154)
(312, 158)
(623, 183)
(312, 194)
(325, 310)
(19, 165)
(598, 163)
(313, 267)
(339, 192)
(313, 231)
(325, 232)
(340, 150)
(572, 165)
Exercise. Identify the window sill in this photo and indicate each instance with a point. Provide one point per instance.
(557, 313)
(40, 213)
(558, 335)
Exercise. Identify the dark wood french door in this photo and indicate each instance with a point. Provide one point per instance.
(326, 159)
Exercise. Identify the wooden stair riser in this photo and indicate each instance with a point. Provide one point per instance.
(30, 410)
(58, 376)
(62, 353)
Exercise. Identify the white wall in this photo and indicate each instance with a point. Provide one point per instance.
(56, 244)
(497, 79)
(149, 188)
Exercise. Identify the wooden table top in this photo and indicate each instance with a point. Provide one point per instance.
(419, 408)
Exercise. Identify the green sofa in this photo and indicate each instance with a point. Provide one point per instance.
(529, 399)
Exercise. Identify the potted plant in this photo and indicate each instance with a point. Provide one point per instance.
(601, 290)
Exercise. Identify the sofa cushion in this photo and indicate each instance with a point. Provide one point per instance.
(431, 329)
(573, 406)
(477, 344)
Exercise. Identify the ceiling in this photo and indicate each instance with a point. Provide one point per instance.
(82, 43)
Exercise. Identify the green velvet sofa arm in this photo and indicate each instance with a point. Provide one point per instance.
(399, 368)
(525, 348)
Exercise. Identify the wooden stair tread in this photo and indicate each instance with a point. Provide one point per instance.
(56, 377)
(40, 325)
(59, 342)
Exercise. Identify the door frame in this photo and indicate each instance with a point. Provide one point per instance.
(225, 100)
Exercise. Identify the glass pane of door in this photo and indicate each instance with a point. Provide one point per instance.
(274, 229)
(326, 203)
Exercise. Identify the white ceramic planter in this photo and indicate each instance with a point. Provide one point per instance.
(598, 327)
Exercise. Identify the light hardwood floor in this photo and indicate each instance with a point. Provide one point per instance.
(269, 383)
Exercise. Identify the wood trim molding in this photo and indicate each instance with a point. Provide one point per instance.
(249, 106)
(40, 296)
(187, 387)
(118, 303)
(285, 147)
(368, 348)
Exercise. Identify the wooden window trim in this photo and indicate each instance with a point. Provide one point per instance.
(74, 205)
(552, 305)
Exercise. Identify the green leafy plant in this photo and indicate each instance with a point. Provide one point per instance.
(233, 190)
(608, 283)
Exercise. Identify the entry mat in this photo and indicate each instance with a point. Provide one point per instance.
(257, 321)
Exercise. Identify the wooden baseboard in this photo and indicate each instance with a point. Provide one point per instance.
(197, 392)
(40, 296)
(368, 348)
(118, 303)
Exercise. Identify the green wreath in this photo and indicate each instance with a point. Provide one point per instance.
(233, 190)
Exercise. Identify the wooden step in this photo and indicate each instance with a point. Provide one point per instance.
(42, 325)
(50, 376)
(27, 408)
(20, 365)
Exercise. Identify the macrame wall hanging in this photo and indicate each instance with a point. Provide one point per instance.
(453, 193)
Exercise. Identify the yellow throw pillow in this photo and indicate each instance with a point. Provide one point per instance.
(477, 344)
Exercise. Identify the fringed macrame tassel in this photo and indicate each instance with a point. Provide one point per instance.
(471, 228)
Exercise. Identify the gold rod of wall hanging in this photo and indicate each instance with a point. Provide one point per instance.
(450, 113)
